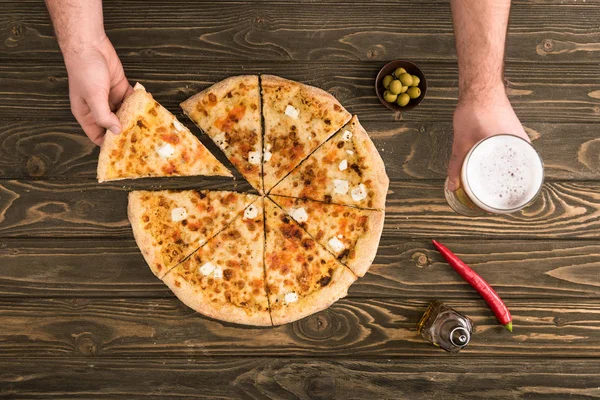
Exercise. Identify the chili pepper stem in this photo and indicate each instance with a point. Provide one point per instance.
(509, 326)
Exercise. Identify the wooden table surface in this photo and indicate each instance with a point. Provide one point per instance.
(82, 316)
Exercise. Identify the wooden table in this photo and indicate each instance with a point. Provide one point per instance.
(81, 315)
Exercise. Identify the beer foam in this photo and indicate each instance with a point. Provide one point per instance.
(503, 172)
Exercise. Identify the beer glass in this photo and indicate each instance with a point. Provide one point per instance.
(501, 174)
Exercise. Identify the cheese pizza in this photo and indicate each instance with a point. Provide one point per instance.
(345, 170)
(302, 277)
(168, 226)
(298, 118)
(258, 260)
(229, 112)
(153, 143)
(224, 279)
(350, 234)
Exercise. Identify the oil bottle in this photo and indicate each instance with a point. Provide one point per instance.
(445, 327)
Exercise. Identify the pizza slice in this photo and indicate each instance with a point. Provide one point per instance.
(153, 143)
(302, 277)
(229, 113)
(297, 119)
(349, 233)
(347, 169)
(225, 279)
(168, 225)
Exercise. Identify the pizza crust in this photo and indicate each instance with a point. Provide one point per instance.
(224, 312)
(143, 238)
(365, 147)
(317, 300)
(366, 247)
(131, 107)
(220, 88)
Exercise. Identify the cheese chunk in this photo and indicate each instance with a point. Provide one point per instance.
(291, 297)
(299, 214)
(207, 268)
(166, 150)
(292, 112)
(178, 214)
(343, 165)
(250, 212)
(347, 135)
(359, 193)
(254, 157)
(340, 186)
(336, 245)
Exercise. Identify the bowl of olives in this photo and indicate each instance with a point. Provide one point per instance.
(401, 85)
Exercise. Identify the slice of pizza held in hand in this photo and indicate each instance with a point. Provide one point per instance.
(229, 113)
(225, 278)
(347, 170)
(153, 143)
(169, 225)
(349, 233)
(302, 277)
(298, 118)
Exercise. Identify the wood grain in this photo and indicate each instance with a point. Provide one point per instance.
(415, 209)
(542, 269)
(301, 378)
(300, 30)
(351, 327)
(32, 149)
(549, 93)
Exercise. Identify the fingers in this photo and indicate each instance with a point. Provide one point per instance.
(454, 167)
(103, 116)
(118, 93)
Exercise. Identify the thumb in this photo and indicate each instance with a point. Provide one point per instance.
(102, 114)
(454, 167)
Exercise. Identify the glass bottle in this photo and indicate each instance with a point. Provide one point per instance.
(445, 327)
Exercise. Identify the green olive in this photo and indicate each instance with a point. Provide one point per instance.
(404, 89)
(395, 87)
(416, 80)
(399, 71)
(406, 79)
(413, 92)
(403, 100)
(389, 96)
(387, 80)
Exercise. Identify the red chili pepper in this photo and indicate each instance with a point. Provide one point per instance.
(478, 283)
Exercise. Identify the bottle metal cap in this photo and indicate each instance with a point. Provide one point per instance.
(460, 336)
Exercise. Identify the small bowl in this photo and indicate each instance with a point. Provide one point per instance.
(412, 69)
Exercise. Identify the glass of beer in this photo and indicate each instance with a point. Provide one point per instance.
(500, 175)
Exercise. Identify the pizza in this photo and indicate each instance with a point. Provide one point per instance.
(168, 226)
(224, 279)
(153, 143)
(229, 113)
(298, 118)
(350, 234)
(346, 170)
(302, 277)
(297, 247)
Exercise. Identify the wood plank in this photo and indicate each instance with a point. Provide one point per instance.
(556, 270)
(301, 30)
(411, 150)
(351, 327)
(547, 93)
(303, 378)
(418, 209)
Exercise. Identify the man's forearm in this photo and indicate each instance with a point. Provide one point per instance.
(77, 23)
(480, 32)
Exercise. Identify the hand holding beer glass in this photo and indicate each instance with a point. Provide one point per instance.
(493, 167)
